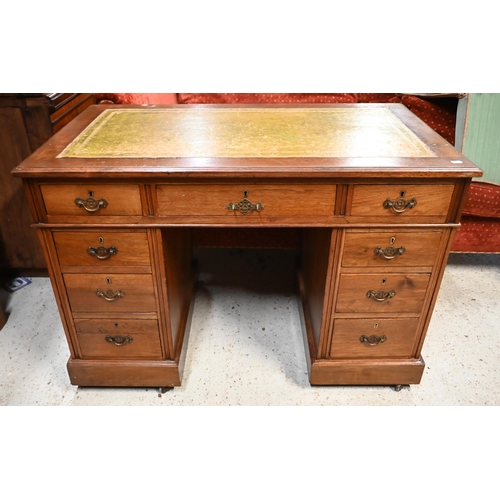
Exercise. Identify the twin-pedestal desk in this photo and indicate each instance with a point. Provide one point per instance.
(376, 193)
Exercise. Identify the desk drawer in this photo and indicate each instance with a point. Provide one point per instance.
(379, 293)
(235, 200)
(373, 338)
(118, 338)
(102, 248)
(132, 293)
(92, 200)
(395, 201)
(391, 248)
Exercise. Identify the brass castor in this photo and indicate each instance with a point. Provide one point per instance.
(398, 387)
(163, 390)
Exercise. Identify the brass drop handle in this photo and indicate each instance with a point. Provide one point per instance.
(400, 205)
(110, 295)
(119, 340)
(372, 340)
(389, 253)
(102, 253)
(91, 204)
(245, 206)
(380, 296)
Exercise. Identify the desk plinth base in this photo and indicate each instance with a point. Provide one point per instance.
(373, 372)
(93, 373)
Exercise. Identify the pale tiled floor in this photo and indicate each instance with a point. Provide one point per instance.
(245, 345)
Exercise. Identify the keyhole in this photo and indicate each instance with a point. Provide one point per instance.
(91, 194)
(375, 325)
(116, 325)
(403, 194)
(393, 240)
(108, 281)
(245, 194)
(101, 240)
(384, 281)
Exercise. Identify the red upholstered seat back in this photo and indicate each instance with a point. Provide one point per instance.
(265, 98)
(483, 200)
(431, 111)
(480, 222)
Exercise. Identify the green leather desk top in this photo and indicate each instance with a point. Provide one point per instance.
(193, 132)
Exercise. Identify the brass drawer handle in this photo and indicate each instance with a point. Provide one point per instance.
(389, 253)
(110, 295)
(119, 340)
(245, 206)
(91, 204)
(380, 296)
(372, 340)
(102, 253)
(400, 205)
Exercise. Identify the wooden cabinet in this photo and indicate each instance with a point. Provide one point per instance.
(375, 193)
(26, 122)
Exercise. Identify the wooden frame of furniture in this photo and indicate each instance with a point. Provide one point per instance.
(3, 317)
(26, 122)
(376, 193)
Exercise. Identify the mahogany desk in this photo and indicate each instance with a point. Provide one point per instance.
(375, 192)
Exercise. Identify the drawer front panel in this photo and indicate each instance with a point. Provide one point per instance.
(274, 200)
(373, 338)
(378, 293)
(395, 201)
(110, 293)
(92, 199)
(389, 249)
(118, 338)
(103, 248)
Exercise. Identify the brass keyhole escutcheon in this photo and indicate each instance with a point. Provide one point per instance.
(384, 281)
(91, 194)
(245, 194)
(392, 240)
(101, 240)
(403, 194)
(375, 325)
(108, 281)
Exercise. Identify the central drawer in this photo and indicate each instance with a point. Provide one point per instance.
(246, 200)
(382, 293)
(110, 293)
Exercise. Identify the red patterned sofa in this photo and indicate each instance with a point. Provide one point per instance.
(437, 111)
(480, 223)
(480, 229)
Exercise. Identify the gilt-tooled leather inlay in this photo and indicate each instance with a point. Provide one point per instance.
(246, 132)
